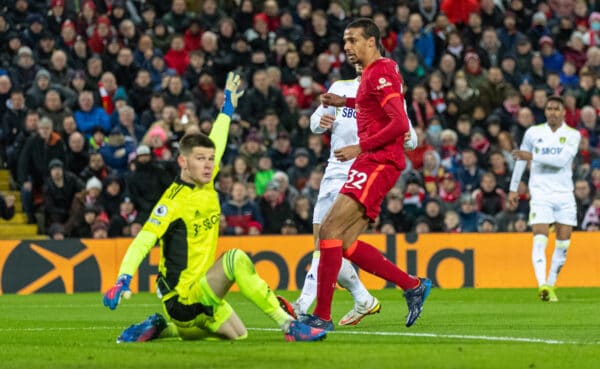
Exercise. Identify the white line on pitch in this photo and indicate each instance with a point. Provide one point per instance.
(453, 336)
(355, 333)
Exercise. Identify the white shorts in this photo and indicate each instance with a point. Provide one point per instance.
(330, 188)
(553, 208)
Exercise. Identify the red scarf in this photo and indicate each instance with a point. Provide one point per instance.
(107, 102)
(422, 121)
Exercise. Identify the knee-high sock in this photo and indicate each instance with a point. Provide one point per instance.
(538, 257)
(239, 268)
(348, 278)
(558, 260)
(309, 290)
(329, 267)
(370, 259)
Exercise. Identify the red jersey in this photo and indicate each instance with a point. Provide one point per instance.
(381, 114)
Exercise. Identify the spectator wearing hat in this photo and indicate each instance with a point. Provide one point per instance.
(468, 214)
(55, 16)
(523, 53)
(240, 212)
(117, 151)
(113, 192)
(59, 191)
(99, 230)
(36, 95)
(67, 36)
(25, 70)
(103, 31)
(473, 71)
(274, 208)
(449, 191)
(394, 219)
(553, 59)
(280, 152)
(414, 195)
(35, 27)
(539, 27)
(146, 183)
(289, 227)
(121, 222)
(260, 98)
(89, 219)
(33, 162)
(56, 232)
(44, 48)
(86, 19)
(301, 168)
(592, 38)
(487, 224)
(85, 202)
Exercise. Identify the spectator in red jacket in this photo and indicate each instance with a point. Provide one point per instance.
(177, 57)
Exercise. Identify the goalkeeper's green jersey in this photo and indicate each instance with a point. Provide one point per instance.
(185, 221)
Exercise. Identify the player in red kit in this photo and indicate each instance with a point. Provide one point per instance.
(382, 124)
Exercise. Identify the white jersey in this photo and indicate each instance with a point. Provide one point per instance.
(551, 170)
(344, 131)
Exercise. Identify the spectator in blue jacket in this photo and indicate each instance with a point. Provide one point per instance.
(117, 151)
(553, 60)
(423, 41)
(469, 173)
(240, 213)
(89, 116)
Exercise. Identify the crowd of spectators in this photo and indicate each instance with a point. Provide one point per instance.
(94, 96)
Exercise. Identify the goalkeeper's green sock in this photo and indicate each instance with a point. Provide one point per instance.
(239, 268)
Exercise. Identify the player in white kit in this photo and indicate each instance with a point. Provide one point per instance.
(342, 123)
(550, 147)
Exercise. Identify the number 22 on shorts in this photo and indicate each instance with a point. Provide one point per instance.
(356, 179)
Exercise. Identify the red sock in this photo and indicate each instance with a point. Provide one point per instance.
(371, 260)
(330, 263)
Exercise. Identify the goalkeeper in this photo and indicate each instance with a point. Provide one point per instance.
(191, 284)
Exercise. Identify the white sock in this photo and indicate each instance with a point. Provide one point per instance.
(309, 290)
(538, 257)
(558, 260)
(348, 279)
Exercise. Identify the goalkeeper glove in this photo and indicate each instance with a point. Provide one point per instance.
(112, 297)
(231, 93)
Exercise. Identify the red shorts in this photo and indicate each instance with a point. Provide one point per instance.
(368, 182)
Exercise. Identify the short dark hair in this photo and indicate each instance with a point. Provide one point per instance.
(191, 140)
(369, 29)
(557, 99)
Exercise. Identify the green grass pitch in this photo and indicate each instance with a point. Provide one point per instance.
(465, 328)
